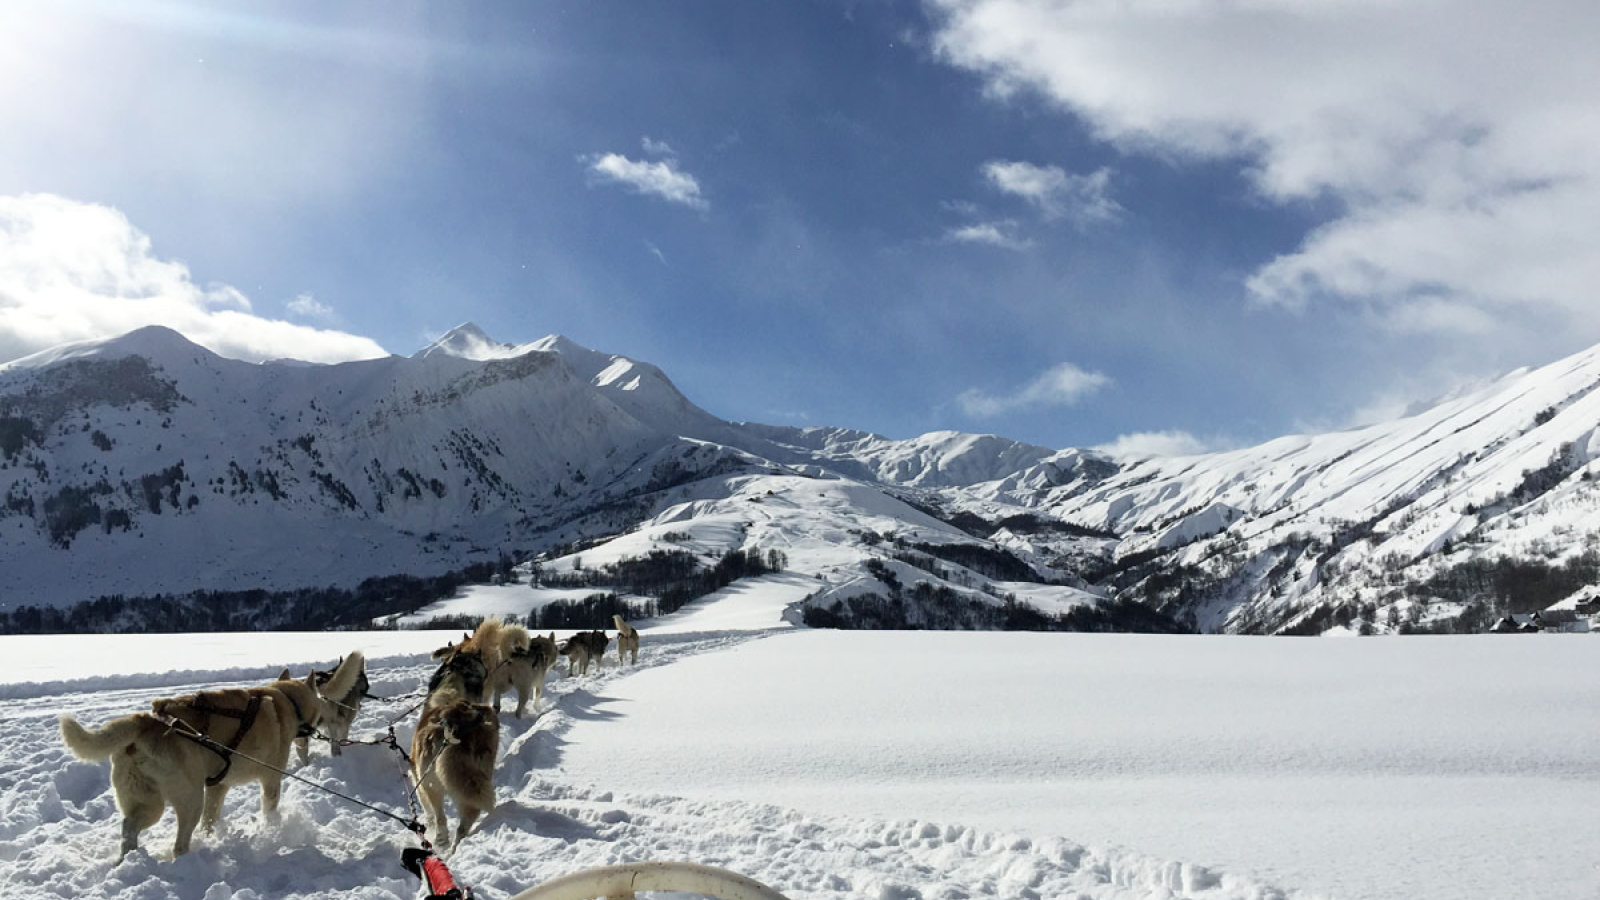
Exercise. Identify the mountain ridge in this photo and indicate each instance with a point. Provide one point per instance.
(178, 470)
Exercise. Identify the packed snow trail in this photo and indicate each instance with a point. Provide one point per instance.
(59, 833)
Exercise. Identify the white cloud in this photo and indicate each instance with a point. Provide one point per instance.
(661, 179)
(1433, 315)
(74, 271)
(1145, 444)
(656, 252)
(657, 148)
(1060, 385)
(996, 234)
(308, 307)
(1085, 199)
(1456, 137)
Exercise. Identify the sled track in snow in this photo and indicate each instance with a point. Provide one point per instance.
(58, 831)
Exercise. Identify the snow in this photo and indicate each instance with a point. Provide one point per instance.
(935, 459)
(39, 664)
(884, 765)
(1378, 768)
(484, 600)
(750, 604)
(468, 341)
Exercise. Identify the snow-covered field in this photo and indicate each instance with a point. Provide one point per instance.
(889, 765)
(1381, 768)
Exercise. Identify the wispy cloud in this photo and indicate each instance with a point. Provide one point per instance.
(1146, 444)
(308, 307)
(1061, 385)
(1452, 181)
(656, 252)
(1411, 394)
(1056, 193)
(327, 136)
(73, 271)
(659, 179)
(657, 148)
(996, 234)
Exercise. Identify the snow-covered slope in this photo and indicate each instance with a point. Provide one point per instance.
(146, 464)
(1374, 515)
(173, 469)
(936, 459)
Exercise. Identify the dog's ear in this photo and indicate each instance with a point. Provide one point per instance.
(284, 675)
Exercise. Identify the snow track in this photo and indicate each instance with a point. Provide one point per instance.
(58, 822)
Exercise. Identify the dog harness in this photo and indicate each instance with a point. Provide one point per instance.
(471, 669)
(533, 653)
(305, 729)
(246, 717)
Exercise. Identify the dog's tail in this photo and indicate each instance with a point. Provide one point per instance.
(515, 640)
(487, 639)
(623, 628)
(99, 744)
(343, 678)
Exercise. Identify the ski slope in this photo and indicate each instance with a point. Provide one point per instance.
(886, 765)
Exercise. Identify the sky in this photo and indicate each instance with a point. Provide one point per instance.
(1151, 226)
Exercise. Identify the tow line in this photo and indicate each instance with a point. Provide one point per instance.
(419, 861)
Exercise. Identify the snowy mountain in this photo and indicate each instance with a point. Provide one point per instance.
(146, 465)
(1480, 505)
(936, 459)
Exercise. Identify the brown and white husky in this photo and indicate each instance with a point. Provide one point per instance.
(154, 765)
(525, 659)
(341, 692)
(453, 753)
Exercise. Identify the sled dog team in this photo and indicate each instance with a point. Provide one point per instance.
(188, 751)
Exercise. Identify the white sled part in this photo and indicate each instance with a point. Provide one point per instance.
(679, 877)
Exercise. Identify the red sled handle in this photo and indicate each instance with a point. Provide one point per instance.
(421, 862)
(439, 879)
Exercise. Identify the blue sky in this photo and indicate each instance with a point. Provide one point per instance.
(1183, 224)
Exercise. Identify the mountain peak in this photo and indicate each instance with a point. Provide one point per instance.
(156, 342)
(467, 341)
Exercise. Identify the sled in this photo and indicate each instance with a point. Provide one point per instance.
(622, 881)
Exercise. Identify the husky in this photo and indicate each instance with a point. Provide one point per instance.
(583, 647)
(463, 675)
(525, 659)
(453, 752)
(627, 640)
(339, 710)
(155, 765)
